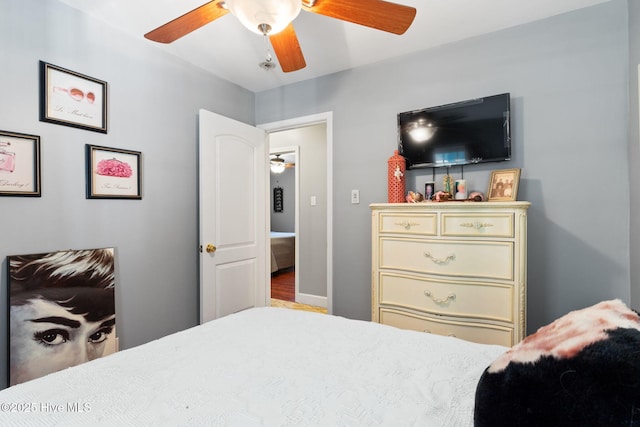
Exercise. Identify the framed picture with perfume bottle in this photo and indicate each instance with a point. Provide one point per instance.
(19, 164)
(72, 99)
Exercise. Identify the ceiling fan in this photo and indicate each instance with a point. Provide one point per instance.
(278, 164)
(273, 19)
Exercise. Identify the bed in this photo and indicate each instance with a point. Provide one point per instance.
(265, 367)
(283, 250)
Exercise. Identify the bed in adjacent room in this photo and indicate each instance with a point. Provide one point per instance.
(265, 367)
(283, 250)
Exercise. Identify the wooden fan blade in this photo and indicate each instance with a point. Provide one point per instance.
(381, 15)
(287, 49)
(188, 22)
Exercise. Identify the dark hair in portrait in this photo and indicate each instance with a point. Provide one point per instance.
(62, 310)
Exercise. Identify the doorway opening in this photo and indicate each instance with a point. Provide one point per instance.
(313, 197)
(284, 208)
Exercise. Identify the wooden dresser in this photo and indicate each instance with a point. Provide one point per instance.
(451, 268)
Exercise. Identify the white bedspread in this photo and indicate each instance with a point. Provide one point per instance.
(265, 367)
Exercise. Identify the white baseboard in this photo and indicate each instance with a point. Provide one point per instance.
(311, 300)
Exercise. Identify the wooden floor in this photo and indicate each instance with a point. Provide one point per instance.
(283, 285)
(296, 306)
(283, 292)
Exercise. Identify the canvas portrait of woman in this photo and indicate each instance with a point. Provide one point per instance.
(61, 311)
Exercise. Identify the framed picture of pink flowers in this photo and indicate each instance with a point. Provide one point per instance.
(19, 164)
(113, 173)
(72, 99)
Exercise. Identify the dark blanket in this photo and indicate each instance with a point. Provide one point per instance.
(581, 370)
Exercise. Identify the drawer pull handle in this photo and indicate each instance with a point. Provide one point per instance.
(427, 331)
(451, 296)
(407, 225)
(452, 335)
(440, 261)
(477, 225)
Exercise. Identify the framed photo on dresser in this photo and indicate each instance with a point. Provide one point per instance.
(503, 185)
(429, 190)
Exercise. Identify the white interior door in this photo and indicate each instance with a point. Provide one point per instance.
(233, 213)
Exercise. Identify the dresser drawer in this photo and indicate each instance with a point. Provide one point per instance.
(479, 300)
(408, 223)
(480, 333)
(477, 224)
(478, 259)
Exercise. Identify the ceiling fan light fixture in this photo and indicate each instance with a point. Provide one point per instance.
(421, 131)
(277, 164)
(258, 15)
(267, 64)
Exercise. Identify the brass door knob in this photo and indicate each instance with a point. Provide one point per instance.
(210, 248)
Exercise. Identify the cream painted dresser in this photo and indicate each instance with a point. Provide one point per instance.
(451, 268)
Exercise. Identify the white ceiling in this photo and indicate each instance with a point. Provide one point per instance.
(230, 51)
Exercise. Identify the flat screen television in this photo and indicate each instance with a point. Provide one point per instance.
(468, 132)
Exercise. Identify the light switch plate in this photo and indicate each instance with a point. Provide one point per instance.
(355, 197)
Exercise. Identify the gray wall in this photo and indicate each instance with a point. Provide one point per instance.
(154, 100)
(568, 79)
(284, 220)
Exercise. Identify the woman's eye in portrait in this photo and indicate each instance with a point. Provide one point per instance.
(100, 335)
(52, 337)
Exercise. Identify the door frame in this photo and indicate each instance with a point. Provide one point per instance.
(304, 121)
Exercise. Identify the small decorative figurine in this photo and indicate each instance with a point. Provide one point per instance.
(414, 197)
(441, 196)
(447, 183)
(476, 196)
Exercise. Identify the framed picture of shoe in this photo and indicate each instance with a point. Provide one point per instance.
(72, 99)
(19, 164)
